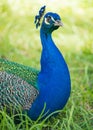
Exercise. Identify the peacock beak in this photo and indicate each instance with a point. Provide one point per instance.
(58, 23)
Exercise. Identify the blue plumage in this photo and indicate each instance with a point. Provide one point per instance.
(53, 79)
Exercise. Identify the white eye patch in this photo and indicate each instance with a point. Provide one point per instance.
(47, 20)
(53, 19)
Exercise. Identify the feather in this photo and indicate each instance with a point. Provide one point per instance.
(18, 85)
(26, 73)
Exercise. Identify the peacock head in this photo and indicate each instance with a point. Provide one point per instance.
(51, 21)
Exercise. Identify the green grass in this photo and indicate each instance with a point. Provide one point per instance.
(20, 42)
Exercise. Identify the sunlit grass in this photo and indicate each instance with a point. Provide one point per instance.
(20, 42)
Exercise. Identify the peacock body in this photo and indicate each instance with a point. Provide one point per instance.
(29, 89)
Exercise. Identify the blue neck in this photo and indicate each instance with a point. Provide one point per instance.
(51, 56)
(53, 79)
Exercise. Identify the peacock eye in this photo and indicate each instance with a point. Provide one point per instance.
(48, 18)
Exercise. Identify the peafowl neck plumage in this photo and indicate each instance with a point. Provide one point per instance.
(25, 87)
(54, 78)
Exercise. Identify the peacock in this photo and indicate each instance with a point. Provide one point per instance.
(29, 89)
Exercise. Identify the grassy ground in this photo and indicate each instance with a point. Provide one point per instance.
(20, 42)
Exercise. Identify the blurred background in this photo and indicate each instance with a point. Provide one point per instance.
(20, 42)
(19, 39)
